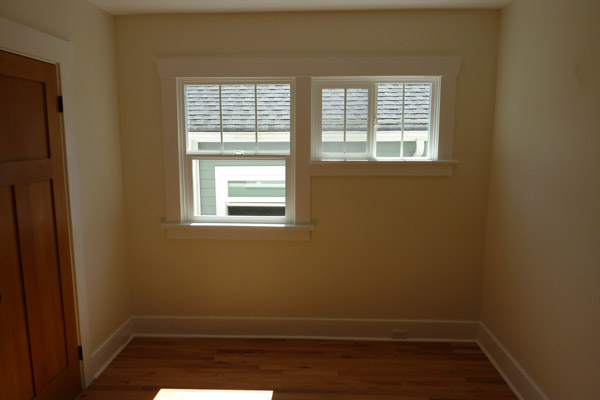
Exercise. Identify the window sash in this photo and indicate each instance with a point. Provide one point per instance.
(186, 157)
(371, 83)
(189, 199)
(182, 112)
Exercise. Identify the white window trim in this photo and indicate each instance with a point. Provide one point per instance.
(238, 231)
(297, 188)
(303, 68)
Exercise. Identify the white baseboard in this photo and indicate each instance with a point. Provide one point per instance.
(317, 328)
(515, 376)
(307, 328)
(290, 328)
(107, 351)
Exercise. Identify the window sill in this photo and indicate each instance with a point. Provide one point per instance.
(238, 231)
(382, 168)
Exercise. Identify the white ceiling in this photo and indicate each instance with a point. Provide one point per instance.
(200, 6)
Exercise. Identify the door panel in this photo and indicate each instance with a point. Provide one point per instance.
(39, 337)
(20, 99)
(16, 380)
(42, 280)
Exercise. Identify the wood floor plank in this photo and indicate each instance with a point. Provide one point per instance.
(302, 369)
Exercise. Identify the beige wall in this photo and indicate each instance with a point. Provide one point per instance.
(541, 292)
(91, 31)
(384, 247)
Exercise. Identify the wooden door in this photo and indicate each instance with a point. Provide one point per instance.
(38, 338)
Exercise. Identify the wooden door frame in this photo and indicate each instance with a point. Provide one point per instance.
(19, 39)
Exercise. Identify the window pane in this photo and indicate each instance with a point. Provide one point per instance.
(239, 117)
(240, 109)
(273, 102)
(332, 109)
(357, 118)
(238, 187)
(388, 133)
(417, 112)
(403, 107)
(203, 119)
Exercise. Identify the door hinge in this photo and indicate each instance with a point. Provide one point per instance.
(60, 104)
(80, 352)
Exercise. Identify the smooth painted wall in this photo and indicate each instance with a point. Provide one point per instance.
(91, 31)
(384, 247)
(541, 292)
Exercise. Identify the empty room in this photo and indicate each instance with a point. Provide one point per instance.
(299, 200)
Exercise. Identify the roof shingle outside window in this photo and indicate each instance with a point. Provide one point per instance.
(417, 107)
(273, 103)
(240, 108)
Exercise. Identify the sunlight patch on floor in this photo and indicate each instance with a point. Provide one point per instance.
(188, 394)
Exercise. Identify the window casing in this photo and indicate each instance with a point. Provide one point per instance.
(229, 144)
(297, 223)
(375, 118)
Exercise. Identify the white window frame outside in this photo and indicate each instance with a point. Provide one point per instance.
(318, 84)
(303, 68)
(225, 174)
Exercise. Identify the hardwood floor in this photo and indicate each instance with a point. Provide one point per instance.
(302, 369)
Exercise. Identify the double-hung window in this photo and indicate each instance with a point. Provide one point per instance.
(375, 118)
(237, 140)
